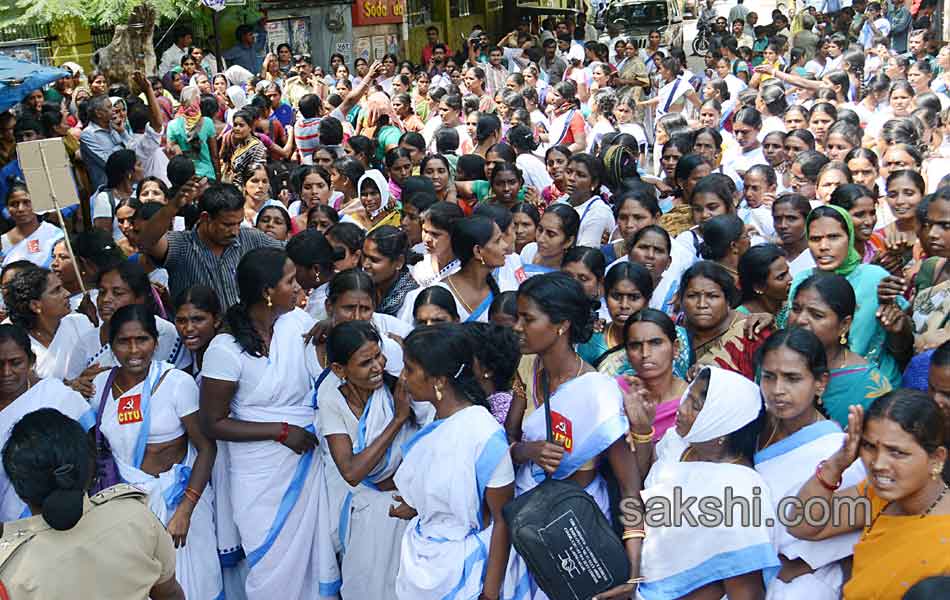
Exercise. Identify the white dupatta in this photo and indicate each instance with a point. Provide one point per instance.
(128, 439)
(276, 493)
(786, 466)
(63, 358)
(36, 247)
(670, 94)
(126, 422)
(679, 558)
(48, 393)
(444, 475)
(587, 416)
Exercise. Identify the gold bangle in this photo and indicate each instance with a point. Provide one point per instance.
(633, 580)
(644, 438)
(633, 534)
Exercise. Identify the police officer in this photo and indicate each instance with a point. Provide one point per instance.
(107, 546)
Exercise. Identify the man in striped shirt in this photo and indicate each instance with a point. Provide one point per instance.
(210, 252)
(307, 129)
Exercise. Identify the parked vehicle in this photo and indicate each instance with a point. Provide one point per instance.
(639, 17)
(703, 39)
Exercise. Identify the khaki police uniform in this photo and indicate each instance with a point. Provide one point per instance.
(117, 551)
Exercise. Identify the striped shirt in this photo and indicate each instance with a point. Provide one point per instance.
(190, 262)
(307, 133)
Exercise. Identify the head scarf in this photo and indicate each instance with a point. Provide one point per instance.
(168, 83)
(190, 111)
(237, 97)
(853, 260)
(238, 75)
(732, 402)
(383, 186)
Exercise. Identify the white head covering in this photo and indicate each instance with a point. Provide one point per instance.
(383, 186)
(237, 96)
(732, 401)
(238, 75)
(73, 68)
(272, 204)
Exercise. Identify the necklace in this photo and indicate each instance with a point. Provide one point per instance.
(458, 295)
(115, 386)
(538, 374)
(844, 358)
(814, 420)
(930, 508)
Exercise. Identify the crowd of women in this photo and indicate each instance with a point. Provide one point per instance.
(328, 377)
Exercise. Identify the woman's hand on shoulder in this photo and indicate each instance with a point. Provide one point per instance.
(756, 323)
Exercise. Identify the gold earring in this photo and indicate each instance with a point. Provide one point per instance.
(843, 340)
(269, 303)
(935, 473)
(482, 260)
(820, 401)
(438, 393)
(486, 376)
(560, 332)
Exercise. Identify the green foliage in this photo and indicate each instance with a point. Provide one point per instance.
(95, 12)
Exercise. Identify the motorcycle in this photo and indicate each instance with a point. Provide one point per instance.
(703, 39)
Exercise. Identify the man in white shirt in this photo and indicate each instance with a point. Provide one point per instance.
(147, 131)
(738, 31)
(171, 58)
(875, 25)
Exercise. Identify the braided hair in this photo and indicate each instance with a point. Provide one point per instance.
(258, 270)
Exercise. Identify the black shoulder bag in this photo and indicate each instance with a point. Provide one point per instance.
(568, 544)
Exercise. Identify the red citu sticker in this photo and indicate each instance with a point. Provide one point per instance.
(33, 246)
(130, 409)
(563, 431)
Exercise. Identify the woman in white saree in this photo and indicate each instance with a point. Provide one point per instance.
(707, 454)
(30, 239)
(796, 438)
(455, 477)
(255, 394)
(197, 319)
(39, 303)
(587, 414)
(674, 93)
(365, 419)
(22, 393)
(149, 417)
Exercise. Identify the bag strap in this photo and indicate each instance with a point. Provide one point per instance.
(102, 404)
(545, 389)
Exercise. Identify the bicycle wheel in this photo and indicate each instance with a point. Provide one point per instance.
(701, 45)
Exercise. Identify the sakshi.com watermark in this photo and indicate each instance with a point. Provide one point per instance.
(731, 510)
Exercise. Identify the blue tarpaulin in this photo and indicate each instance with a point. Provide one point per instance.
(18, 78)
